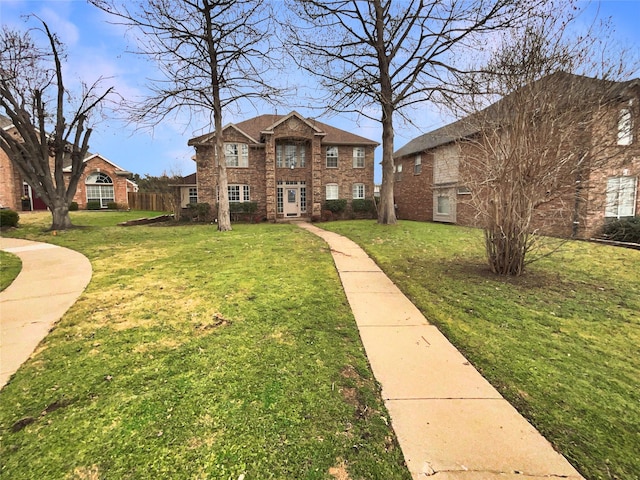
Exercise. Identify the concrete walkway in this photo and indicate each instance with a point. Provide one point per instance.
(450, 422)
(51, 280)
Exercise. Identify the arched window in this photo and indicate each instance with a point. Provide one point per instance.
(100, 189)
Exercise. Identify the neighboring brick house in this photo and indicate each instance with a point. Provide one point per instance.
(428, 185)
(187, 190)
(288, 164)
(102, 180)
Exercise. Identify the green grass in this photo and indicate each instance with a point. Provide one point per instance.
(561, 342)
(10, 266)
(196, 354)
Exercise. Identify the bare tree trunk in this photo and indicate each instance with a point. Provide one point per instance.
(224, 216)
(506, 251)
(387, 211)
(35, 151)
(60, 214)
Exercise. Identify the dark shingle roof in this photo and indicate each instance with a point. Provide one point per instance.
(447, 134)
(254, 127)
(465, 127)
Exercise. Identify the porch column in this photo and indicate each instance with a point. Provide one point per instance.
(270, 176)
(316, 176)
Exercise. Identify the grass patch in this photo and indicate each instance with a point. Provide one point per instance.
(196, 354)
(560, 342)
(10, 266)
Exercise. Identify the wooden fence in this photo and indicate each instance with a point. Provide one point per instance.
(157, 202)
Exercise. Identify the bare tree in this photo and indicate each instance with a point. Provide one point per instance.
(383, 56)
(28, 75)
(211, 54)
(528, 162)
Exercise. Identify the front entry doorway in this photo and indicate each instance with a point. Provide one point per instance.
(291, 198)
(292, 201)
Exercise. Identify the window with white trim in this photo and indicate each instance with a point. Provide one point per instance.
(417, 165)
(443, 205)
(358, 191)
(625, 127)
(621, 197)
(237, 193)
(332, 157)
(236, 154)
(290, 155)
(331, 191)
(358, 157)
(100, 189)
(193, 194)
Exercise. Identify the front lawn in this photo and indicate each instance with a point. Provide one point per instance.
(194, 354)
(561, 343)
(10, 266)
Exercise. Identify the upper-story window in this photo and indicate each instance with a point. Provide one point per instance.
(625, 127)
(358, 157)
(332, 157)
(236, 154)
(290, 155)
(417, 165)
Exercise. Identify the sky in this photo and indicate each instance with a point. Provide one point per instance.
(97, 48)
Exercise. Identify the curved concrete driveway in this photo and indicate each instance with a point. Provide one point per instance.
(51, 280)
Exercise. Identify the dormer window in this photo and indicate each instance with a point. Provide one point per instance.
(625, 127)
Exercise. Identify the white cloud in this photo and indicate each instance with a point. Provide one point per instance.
(66, 30)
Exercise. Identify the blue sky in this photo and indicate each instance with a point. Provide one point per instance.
(97, 49)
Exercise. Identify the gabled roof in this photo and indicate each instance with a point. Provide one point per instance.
(447, 134)
(209, 137)
(5, 122)
(295, 114)
(91, 156)
(188, 180)
(466, 127)
(253, 129)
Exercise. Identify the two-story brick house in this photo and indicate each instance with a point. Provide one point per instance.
(430, 169)
(287, 164)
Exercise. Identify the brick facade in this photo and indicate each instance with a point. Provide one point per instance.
(264, 135)
(414, 191)
(98, 164)
(10, 184)
(12, 187)
(579, 210)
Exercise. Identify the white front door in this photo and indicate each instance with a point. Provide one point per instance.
(291, 206)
